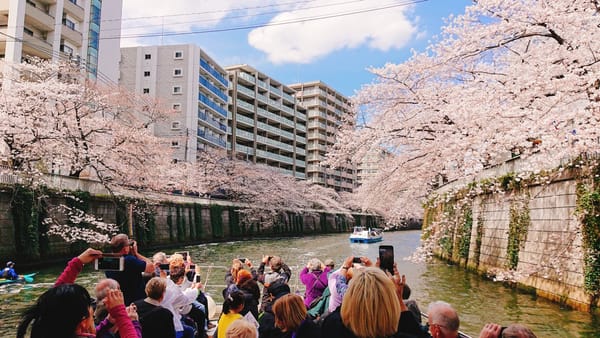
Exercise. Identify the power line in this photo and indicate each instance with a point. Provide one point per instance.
(268, 24)
(233, 17)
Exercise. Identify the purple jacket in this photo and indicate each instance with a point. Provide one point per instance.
(315, 281)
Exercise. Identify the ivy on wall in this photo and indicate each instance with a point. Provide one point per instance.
(588, 207)
(517, 232)
(464, 242)
(198, 221)
(234, 222)
(170, 224)
(323, 222)
(26, 227)
(216, 220)
(478, 240)
(447, 239)
(180, 223)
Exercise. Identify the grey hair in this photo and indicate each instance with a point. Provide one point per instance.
(103, 286)
(160, 257)
(443, 314)
(315, 264)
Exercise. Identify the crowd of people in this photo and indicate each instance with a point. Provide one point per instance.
(161, 297)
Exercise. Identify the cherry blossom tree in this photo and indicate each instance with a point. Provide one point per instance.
(56, 121)
(506, 77)
(52, 120)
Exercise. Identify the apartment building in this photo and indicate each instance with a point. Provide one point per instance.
(59, 29)
(370, 164)
(325, 108)
(187, 80)
(267, 125)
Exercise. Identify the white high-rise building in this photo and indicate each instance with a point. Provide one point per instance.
(268, 126)
(191, 83)
(325, 108)
(63, 29)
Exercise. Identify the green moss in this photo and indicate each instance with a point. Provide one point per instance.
(25, 221)
(588, 207)
(198, 221)
(464, 242)
(216, 220)
(478, 240)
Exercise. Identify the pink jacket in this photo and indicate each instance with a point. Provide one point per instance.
(122, 321)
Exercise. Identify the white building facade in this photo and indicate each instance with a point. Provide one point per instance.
(267, 125)
(61, 29)
(189, 82)
(325, 108)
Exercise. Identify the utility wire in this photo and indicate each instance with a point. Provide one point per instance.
(268, 24)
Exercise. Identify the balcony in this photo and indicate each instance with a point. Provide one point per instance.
(211, 121)
(244, 134)
(247, 77)
(301, 127)
(300, 163)
(245, 105)
(300, 139)
(247, 91)
(37, 18)
(71, 35)
(274, 157)
(300, 151)
(214, 89)
(36, 47)
(212, 139)
(209, 103)
(244, 150)
(241, 119)
(315, 124)
(74, 10)
(218, 76)
(275, 117)
(300, 175)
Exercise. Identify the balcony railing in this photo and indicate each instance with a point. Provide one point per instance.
(212, 139)
(214, 89)
(206, 66)
(204, 99)
(203, 116)
(247, 77)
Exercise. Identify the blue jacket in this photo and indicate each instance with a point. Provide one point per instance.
(9, 273)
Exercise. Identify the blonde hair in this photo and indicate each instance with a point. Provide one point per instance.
(156, 287)
(370, 307)
(241, 328)
(289, 311)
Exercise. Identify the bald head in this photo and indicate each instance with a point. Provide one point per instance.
(445, 318)
(103, 286)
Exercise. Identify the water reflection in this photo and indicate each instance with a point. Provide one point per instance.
(478, 301)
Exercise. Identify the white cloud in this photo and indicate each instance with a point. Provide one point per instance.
(300, 42)
(306, 41)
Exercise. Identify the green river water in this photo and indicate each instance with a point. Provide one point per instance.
(478, 301)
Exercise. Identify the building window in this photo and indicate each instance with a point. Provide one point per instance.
(178, 55)
(69, 23)
(146, 90)
(177, 72)
(147, 56)
(176, 89)
(176, 106)
(146, 73)
(27, 31)
(66, 49)
(175, 125)
(174, 144)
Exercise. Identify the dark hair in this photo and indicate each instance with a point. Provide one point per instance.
(57, 312)
(235, 299)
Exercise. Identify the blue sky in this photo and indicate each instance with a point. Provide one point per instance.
(333, 41)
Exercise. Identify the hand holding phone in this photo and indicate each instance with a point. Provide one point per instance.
(197, 278)
(357, 260)
(386, 258)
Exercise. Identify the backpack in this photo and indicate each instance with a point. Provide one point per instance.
(320, 305)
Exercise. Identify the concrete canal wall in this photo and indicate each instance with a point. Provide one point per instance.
(533, 235)
(168, 220)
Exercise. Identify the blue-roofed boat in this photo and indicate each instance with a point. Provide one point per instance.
(366, 235)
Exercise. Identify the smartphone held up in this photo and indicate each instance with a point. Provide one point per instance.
(386, 258)
(110, 263)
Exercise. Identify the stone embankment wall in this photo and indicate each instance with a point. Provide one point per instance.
(168, 220)
(530, 236)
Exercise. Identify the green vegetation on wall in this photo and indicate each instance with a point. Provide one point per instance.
(170, 224)
(144, 223)
(517, 232)
(478, 240)
(180, 223)
(192, 225)
(447, 238)
(26, 227)
(323, 222)
(234, 221)
(216, 220)
(464, 241)
(198, 221)
(588, 207)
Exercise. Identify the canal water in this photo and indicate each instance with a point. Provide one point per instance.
(478, 301)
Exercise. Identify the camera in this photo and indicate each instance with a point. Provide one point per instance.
(197, 279)
(184, 254)
(110, 263)
(356, 260)
(164, 266)
(192, 266)
(243, 260)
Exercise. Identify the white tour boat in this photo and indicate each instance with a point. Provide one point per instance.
(366, 235)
